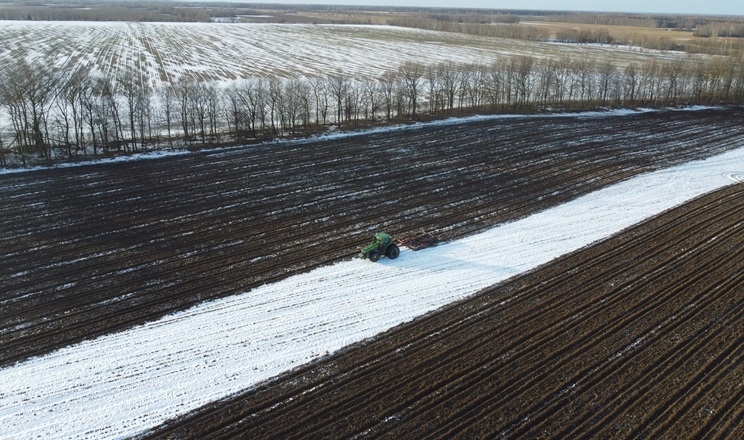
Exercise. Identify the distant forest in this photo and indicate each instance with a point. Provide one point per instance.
(185, 11)
(83, 10)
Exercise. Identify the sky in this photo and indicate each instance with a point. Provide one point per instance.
(711, 7)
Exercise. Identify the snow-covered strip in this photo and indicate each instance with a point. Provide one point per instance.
(97, 161)
(122, 384)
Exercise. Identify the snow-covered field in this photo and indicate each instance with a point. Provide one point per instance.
(122, 384)
(224, 52)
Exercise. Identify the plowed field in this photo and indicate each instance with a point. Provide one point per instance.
(641, 336)
(92, 250)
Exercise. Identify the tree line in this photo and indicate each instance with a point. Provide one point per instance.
(723, 30)
(505, 29)
(104, 11)
(635, 20)
(584, 36)
(53, 115)
(713, 36)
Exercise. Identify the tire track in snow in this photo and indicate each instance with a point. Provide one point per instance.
(122, 384)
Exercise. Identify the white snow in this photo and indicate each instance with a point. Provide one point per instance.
(122, 384)
(95, 161)
(163, 52)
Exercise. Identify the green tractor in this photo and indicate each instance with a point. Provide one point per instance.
(381, 245)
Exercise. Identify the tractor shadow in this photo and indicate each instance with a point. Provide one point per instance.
(452, 257)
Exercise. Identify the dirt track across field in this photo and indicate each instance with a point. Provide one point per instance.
(96, 249)
(640, 336)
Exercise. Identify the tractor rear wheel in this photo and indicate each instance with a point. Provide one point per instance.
(374, 256)
(392, 252)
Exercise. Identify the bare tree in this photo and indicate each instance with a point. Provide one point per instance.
(320, 94)
(274, 102)
(294, 102)
(561, 79)
(737, 90)
(607, 72)
(211, 97)
(583, 70)
(388, 85)
(103, 113)
(109, 104)
(338, 85)
(144, 111)
(672, 73)
(523, 79)
(64, 119)
(507, 70)
(234, 108)
(723, 72)
(630, 83)
(547, 74)
(305, 96)
(352, 101)
(477, 81)
(450, 79)
(411, 74)
(200, 108)
(130, 89)
(88, 103)
(184, 94)
(433, 85)
(168, 106)
(77, 87)
(27, 92)
(260, 101)
(3, 161)
(70, 115)
(649, 82)
(254, 94)
(370, 98)
(493, 87)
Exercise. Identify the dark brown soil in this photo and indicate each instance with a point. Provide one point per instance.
(640, 336)
(417, 240)
(97, 249)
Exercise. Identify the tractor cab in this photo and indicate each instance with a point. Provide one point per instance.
(382, 244)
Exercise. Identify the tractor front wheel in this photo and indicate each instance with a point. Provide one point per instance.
(374, 256)
(392, 252)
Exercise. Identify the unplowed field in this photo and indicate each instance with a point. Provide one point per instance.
(639, 336)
